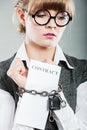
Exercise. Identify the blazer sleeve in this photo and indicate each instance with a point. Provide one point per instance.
(7, 109)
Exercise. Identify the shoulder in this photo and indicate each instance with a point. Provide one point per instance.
(76, 62)
(80, 67)
(4, 65)
(5, 81)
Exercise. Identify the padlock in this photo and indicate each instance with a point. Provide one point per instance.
(54, 102)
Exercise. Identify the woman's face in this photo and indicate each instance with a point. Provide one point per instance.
(44, 36)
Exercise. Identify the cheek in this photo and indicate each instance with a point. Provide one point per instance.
(31, 27)
(33, 31)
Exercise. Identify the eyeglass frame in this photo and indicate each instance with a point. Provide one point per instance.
(51, 17)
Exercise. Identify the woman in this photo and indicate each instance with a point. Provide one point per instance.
(43, 23)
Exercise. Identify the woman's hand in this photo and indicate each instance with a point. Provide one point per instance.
(18, 72)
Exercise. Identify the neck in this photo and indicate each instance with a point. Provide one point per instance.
(39, 53)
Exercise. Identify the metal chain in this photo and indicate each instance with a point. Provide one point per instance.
(34, 92)
(45, 94)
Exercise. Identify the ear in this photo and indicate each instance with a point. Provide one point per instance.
(21, 16)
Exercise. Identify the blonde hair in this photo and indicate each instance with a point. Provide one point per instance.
(33, 5)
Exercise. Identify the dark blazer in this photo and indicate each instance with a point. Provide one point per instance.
(70, 79)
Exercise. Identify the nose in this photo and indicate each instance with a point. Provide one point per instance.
(51, 23)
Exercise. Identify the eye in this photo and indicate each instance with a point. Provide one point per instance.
(62, 16)
(41, 14)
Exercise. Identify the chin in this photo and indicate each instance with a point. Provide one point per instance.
(50, 46)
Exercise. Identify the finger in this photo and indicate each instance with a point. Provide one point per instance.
(20, 80)
(16, 66)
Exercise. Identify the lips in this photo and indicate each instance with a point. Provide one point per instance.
(50, 35)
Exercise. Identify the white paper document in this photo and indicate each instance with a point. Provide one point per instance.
(33, 110)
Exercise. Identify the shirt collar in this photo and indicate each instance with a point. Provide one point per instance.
(59, 56)
(21, 53)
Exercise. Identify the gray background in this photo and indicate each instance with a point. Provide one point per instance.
(73, 41)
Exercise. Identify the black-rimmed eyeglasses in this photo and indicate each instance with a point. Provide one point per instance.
(43, 16)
